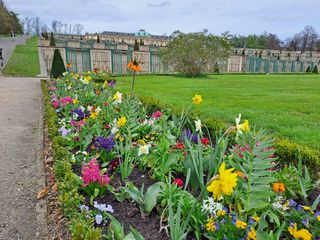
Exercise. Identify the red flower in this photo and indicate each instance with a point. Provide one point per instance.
(105, 104)
(179, 146)
(205, 141)
(179, 182)
(107, 126)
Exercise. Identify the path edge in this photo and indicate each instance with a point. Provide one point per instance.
(41, 205)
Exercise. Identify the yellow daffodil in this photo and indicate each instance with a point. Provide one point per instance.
(303, 234)
(242, 127)
(197, 99)
(75, 101)
(121, 121)
(87, 79)
(224, 184)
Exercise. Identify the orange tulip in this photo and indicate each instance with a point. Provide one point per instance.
(69, 65)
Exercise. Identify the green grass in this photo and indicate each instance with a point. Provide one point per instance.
(286, 105)
(24, 60)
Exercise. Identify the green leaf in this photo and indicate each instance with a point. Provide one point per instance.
(96, 192)
(151, 196)
(315, 203)
(136, 234)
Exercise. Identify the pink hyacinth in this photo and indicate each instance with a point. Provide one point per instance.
(157, 115)
(91, 174)
(66, 100)
(55, 104)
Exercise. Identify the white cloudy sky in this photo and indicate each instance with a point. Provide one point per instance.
(283, 17)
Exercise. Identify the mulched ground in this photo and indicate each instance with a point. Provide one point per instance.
(128, 213)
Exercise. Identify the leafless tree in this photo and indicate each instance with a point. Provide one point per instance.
(36, 25)
(309, 37)
(65, 28)
(78, 28)
(54, 25)
(27, 25)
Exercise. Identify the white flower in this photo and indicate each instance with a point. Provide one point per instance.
(144, 149)
(84, 207)
(89, 108)
(198, 125)
(98, 219)
(117, 97)
(114, 128)
(210, 206)
(103, 207)
(98, 109)
(85, 153)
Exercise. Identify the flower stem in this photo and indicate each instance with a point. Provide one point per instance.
(133, 78)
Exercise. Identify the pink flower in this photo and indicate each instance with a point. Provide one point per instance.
(179, 182)
(66, 100)
(91, 174)
(157, 115)
(55, 104)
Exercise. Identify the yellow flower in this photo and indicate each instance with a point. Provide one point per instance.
(87, 79)
(241, 224)
(197, 99)
(303, 234)
(121, 121)
(224, 184)
(221, 213)
(75, 101)
(244, 126)
(252, 234)
(210, 226)
(93, 115)
(256, 219)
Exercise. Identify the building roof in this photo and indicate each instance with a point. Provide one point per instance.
(140, 33)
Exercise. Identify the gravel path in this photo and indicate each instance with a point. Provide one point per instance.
(22, 216)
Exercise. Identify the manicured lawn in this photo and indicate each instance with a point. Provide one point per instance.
(287, 105)
(24, 61)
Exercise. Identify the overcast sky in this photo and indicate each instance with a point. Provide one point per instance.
(283, 17)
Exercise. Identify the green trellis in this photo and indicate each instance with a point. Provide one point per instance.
(71, 57)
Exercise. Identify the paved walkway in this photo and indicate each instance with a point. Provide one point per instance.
(22, 216)
(8, 46)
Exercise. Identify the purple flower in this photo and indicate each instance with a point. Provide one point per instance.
(98, 219)
(292, 203)
(188, 135)
(112, 83)
(106, 143)
(305, 222)
(217, 226)
(63, 131)
(78, 114)
(300, 208)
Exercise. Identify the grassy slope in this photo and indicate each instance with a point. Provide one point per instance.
(287, 105)
(24, 60)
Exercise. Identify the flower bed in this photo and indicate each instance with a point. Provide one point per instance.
(164, 176)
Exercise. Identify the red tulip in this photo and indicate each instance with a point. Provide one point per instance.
(179, 182)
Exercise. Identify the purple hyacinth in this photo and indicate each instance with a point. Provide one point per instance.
(106, 143)
(188, 135)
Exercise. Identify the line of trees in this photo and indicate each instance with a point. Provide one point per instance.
(34, 25)
(9, 20)
(307, 39)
